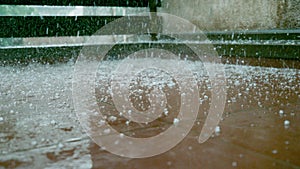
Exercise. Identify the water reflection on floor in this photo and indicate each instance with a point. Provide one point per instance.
(260, 126)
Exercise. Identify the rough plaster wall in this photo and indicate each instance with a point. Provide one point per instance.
(226, 14)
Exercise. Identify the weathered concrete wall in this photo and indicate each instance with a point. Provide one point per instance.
(288, 14)
(236, 14)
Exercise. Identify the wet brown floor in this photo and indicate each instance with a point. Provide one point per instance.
(260, 127)
(252, 132)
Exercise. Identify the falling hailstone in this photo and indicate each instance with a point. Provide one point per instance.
(280, 112)
(175, 121)
(286, 124)
(34, 143)
(274, 151)
(217, 130)
(166, 112)
(234, 164)
(107, 131)
(121, 135)
(60, 145)
(112, 118)
(101, 122)
(53, 122)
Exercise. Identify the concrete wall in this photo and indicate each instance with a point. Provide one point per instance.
(288, 12)
(236, 14)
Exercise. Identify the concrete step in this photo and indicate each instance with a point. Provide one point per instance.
(281, 44)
